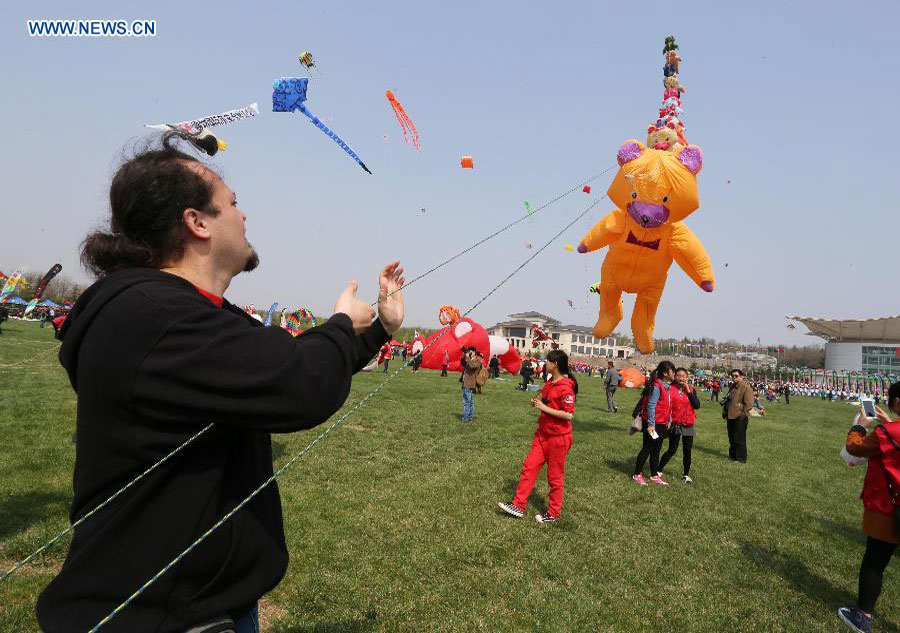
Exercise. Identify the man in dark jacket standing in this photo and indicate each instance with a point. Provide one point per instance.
(611, 382)
(494, 365)
(155, 354)
(738, 404)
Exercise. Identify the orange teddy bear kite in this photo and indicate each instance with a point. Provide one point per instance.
(654, 191)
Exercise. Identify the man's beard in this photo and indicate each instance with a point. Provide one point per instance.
(252, 260)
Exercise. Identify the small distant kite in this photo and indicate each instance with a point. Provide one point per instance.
(467, 163)
(791, 327)
(205, 141)
(587, 189)
(538, 335)
(306, 58)
(293, 322)
(529, 210)
(385, 137)
(569, 247)
(195, 132)
(268, 320)
(571, 303)
(42, 285)
(11, 282)
(410, 134)
(595, 288)
(528, 245)
(289, 93)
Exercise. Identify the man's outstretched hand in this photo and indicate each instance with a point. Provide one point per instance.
(390, 297)
(359, 311)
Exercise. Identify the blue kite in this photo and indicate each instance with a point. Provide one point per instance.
(269, 314)
(289, 93)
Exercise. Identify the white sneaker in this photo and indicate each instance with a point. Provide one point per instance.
(687, 479)
(509, 508)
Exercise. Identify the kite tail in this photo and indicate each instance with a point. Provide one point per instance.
(337, 139)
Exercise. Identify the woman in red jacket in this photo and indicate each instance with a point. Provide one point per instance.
(684, 401)
(656, 416)
(881, 492)
(552, 440)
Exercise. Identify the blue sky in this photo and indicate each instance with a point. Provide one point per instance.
(793, 103)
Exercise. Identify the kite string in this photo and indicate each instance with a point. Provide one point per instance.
(25, 361)
(31, 556)
(501, 230)
(422, 276)
(322, 435)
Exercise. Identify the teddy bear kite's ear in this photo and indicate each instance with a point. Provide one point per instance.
(691, 157)
(629, 151)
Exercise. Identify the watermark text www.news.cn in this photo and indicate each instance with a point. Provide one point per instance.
(92, 28)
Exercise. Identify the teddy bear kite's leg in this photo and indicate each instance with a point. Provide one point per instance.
(610, 310)
(643, 320)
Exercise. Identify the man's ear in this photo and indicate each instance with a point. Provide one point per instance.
(196, 223)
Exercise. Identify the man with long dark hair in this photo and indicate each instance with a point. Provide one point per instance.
(155, 354)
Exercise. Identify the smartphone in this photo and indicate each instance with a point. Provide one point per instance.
(869, 408)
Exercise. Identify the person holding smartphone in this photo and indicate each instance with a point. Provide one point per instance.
(881, 489)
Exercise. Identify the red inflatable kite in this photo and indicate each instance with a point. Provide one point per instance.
(451, 339)
(631, 378)
(507, 355)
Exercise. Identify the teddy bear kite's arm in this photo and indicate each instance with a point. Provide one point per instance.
(604, 233)
(688, 251)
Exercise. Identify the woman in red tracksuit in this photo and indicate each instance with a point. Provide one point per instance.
(684, 401)
(552, 440)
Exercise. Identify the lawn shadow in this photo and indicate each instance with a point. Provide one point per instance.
(710, 451)
(623, 465)
(277, 449)
(852, 533)
(20, 512)
(802, 578)
(368, 622)
(534, 498)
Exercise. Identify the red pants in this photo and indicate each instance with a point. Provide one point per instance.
(550, 450)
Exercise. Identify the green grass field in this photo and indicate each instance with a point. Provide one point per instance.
(392, 521)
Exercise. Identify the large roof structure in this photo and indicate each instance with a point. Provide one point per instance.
(885, 329)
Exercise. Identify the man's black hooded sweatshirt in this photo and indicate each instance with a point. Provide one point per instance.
(153, 362)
